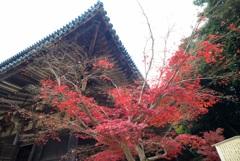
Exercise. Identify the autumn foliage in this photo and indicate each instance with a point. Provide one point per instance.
(140, 124)
(139, 120)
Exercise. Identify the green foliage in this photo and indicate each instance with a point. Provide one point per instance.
(199, 2)
(223, 20)
(180, 129)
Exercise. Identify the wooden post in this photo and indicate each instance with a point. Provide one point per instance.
(32, 152)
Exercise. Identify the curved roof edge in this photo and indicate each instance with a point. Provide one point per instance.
(31, 50)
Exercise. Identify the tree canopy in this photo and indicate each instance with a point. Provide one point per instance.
(149, 121)
(222, 23)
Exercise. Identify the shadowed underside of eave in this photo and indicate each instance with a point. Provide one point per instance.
(90, 39)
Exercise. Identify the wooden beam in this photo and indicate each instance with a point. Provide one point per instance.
(9, 101)
(79, 32)
(12, 85)
(93, 42)
(6, 87)
(76, 49)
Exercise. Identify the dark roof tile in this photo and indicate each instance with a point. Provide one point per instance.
(26, 53)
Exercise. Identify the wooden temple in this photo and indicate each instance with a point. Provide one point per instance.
(89, 36)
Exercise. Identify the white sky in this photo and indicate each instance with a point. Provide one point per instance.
(27, 21)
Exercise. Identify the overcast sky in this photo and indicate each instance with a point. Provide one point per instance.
(27, 21)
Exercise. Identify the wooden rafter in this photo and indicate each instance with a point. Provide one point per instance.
(93, 42)
(80, 33)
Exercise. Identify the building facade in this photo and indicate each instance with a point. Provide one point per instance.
(88, 37)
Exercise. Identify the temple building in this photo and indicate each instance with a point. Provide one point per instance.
(88, 37)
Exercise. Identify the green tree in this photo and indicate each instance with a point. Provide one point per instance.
(223, 23)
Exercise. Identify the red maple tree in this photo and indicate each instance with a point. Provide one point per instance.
(136, 121)
(140, 123)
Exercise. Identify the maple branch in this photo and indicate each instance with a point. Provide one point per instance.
(114, 84)
(85, 79)
(170, 29)
(83, 131)
(167, 132)
(105, 113)
(89, 114)
(174, 75)
(54, 73)
(75, 86)
(156, 103)
(152, 51)
(158, 156)
(80, 120)
(195, 29)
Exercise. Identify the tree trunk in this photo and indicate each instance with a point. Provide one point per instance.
(127, 152)
(141, 153)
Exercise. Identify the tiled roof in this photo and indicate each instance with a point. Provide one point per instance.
(30, 51)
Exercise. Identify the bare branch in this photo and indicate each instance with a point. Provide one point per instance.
(152, 51)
